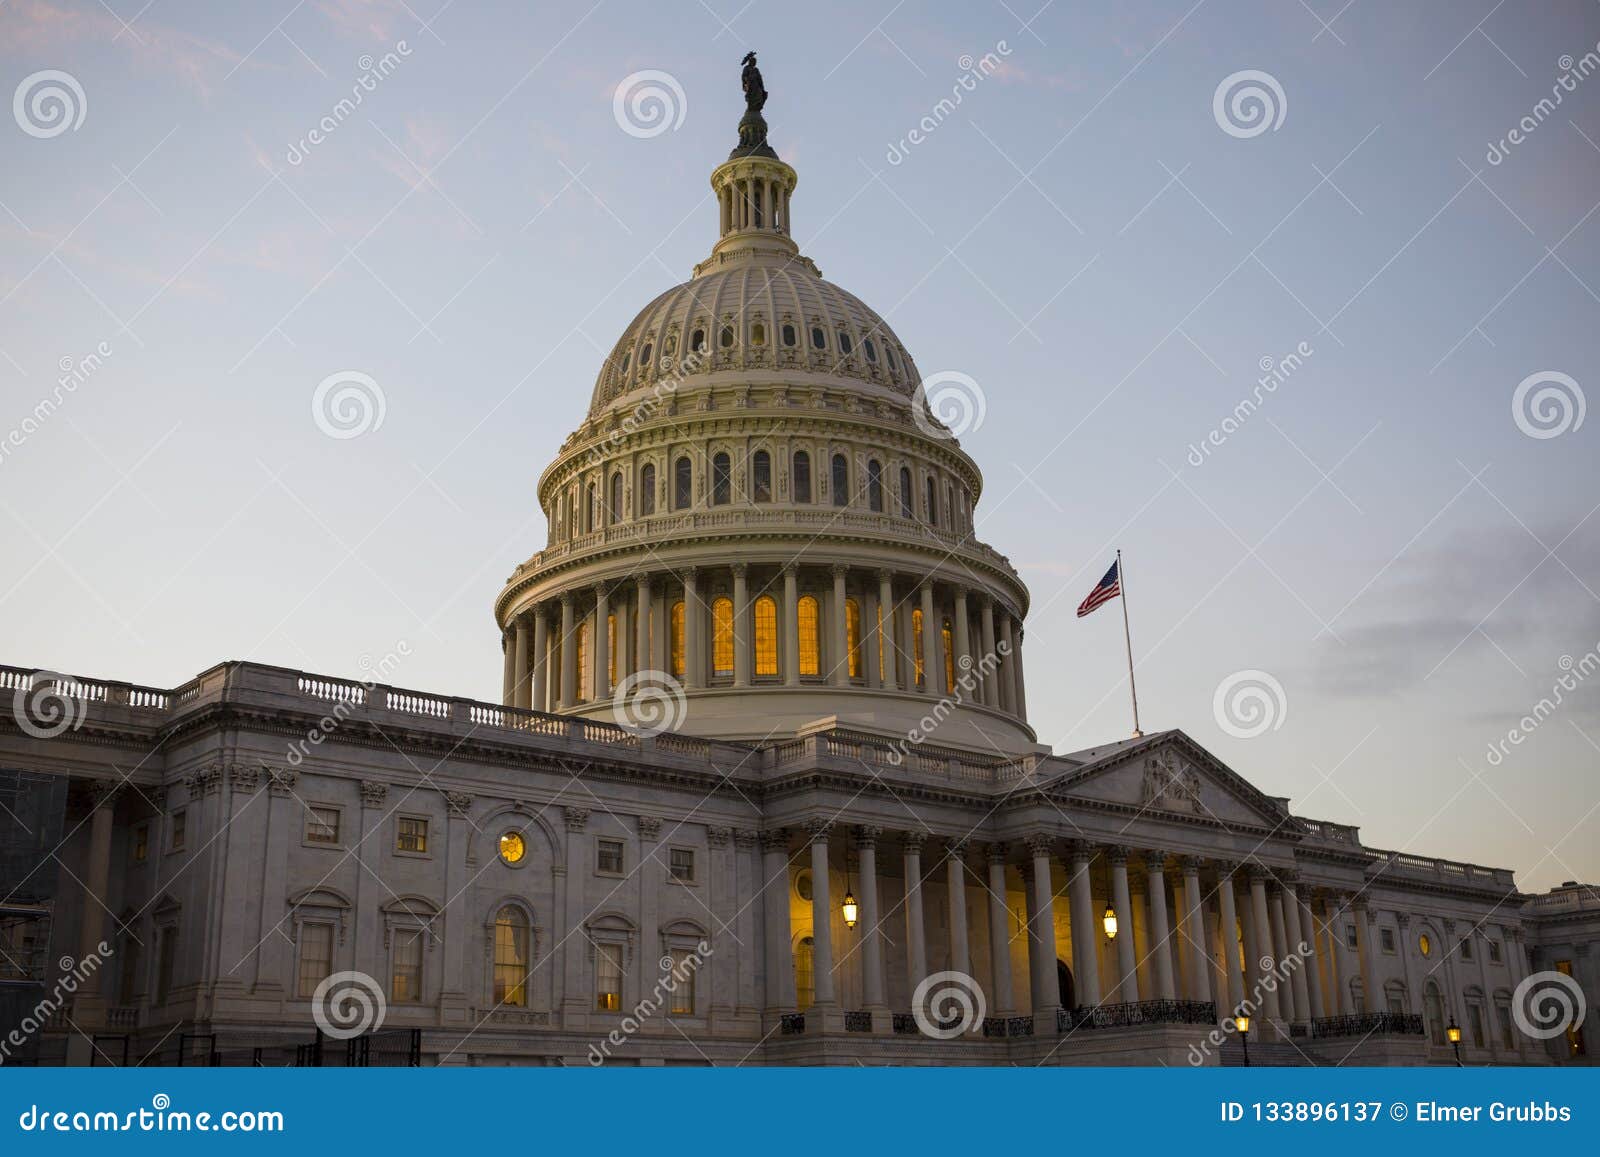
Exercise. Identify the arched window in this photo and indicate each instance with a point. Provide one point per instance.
(933, 502)
(875, 486)
(588, 508)
(802, 476)
(614, 515)
(819, 340)
(950, 505)
(758, 334)
(766, 615)
(1433, 1012)
(647, 489)
(852, 635)
(697, 341)
(1394, 995)
(725, 339)
(722, 636)
(644, 357)
(844, 343)
(805, 972)
(905, 492)
(761, 476)
(721, 480)
(916, 645)
(682, 484)
(675, 643)
(810, 646)
(949, 659)
(585, 675)
(789, 336)
(871, 351)
(841, 481)
(880, 644)
(889, 352)
(511, 958)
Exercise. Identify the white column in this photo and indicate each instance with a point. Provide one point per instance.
(1228, 919)
(1261, 925)
(693, 631)
(916, 942)
(1008, 669)
(1122, 904)
(1042, 937)
(641, 627)
(1199, 985)
(932, 634)
(1300, 952)
(741, 625)
(1085, 940)
(991, 681)
(791, 626)
(567, 693)
(1280, 954)
(839, 672)
(1017, 676)
(962, 637)
(1343, 1001)
(508, 678)
(780, 994)
(999, 933)
(884, 631)
(871, 935)
(821, 917)
(956, 893)
(520, 692)
(1320, 991)
(1364, 949)
(602, 643)
(1160, 933)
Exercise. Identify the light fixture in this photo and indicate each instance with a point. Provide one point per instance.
(849, 908)
(1109, 920)
(1242, 1023)
(1453, 1032)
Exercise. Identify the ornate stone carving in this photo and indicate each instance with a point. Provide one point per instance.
(577, 818)
(819, 830)
(459, 803)
(1041, 844)
(244, 777)
(1154, 859)
(649, 826)
(774, 840)
(866, 836)
(913, 841)
(373, 792)
(997, 853)
(281, 780)
(1170, 784)
(745, 838)
(205, 781)
(718, 837)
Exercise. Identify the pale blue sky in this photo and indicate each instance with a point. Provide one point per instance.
(1080, 236)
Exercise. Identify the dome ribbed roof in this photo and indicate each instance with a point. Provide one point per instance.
(743, 316)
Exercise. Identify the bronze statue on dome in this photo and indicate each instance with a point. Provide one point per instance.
(752, 128)
(755, 93)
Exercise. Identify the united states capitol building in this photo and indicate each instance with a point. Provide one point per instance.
(761, 789)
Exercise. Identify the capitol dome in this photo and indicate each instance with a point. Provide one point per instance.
(760, 528)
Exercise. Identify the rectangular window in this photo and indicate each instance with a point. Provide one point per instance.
(608, 857)
(180, 830)
(24, 941)
(1503, 1013)
(166, 963)
(406, 987)
(128, 977)
(1350, 940)
(141, 843)
(1575, 1042)
(1475, 1018)
(680, 865)
(322, 825)
(684, 966)
(608, 977)
(1386, 938)
(1494, 951)
(1396, 1005)
(413, 835)
(316, 956)
(1466, 948)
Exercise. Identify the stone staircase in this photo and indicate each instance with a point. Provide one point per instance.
(1277, 1054)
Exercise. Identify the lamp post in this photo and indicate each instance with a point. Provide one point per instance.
(1242, 1023)
(1453, 1031)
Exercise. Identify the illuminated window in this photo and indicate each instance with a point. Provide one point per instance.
(412, 835)
(1424, 945)
(585, 675)
(141, 843)
(316, 956)
(722, 636)
(878, 645)
(684, 966)
(611, 650)
(322, 825)
(875, 486)
(511, 958)
(513, 847)
(802, 476)
(852, 631)
(675, 643)
(758, 334)
(949, 658)
(721, 480)
(841, 481)
(805, 972)
(810, 649)
(916, 645)
(761, 476)
(406, 984)
(608, 977)
(682, 484)
(766, 616)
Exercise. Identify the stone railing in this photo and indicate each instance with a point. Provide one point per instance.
(19, 680)
(1571, 899)
(1369, 1024)
(1446, 871)
(1136, 1013)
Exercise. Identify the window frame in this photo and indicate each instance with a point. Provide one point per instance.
(693, 878)
(400, 835)
(306, 840)
(621, 845)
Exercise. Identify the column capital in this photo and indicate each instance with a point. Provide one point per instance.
(866, 836)
(1259, 873)
(1041, 844)
(740, 569)
(790, 570)
(1082, 851)
(373, 792)
(644, 582)
(957, 847)
(718, 837)
(885, 575)
(913, 841)
(959, 592)
(746, 837)
(689, 573)
(103, 791)
(1155, 859)
(567, 600)
(649, 827)
(1190, 865)
(459, 803)
(1403, 919)
(1117, 854)
(577, 818)
(774, 839)
(997, 852)
(839, 569)
(819, 830)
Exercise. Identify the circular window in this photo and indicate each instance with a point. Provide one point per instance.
(1424, 945)
(802, 886)
(513, 847)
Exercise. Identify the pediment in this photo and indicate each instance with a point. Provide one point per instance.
(1170, 775)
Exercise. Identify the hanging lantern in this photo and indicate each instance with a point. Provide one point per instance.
(1110, 922)
(851, 911)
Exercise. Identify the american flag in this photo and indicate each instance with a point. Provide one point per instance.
(1109, 588)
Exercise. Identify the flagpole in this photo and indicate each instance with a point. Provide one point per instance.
(1127, 635)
